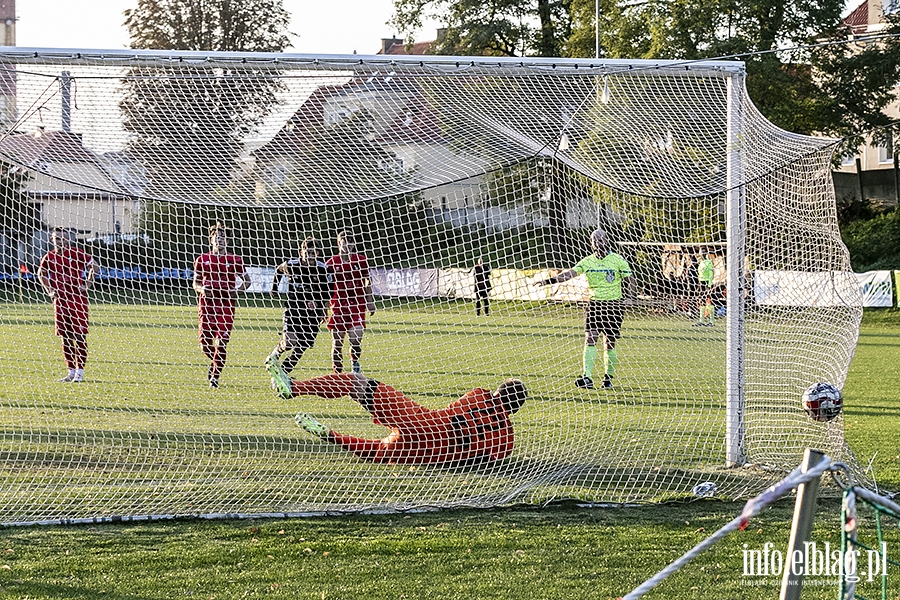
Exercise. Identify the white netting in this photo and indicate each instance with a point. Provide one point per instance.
(431, 162)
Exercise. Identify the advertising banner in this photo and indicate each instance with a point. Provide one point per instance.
(416, 283)
(876, 288)
(799, 288)
(261, 279)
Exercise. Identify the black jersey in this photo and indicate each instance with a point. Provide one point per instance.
(309, 289)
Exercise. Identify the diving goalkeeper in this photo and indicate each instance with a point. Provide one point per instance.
(474, 428)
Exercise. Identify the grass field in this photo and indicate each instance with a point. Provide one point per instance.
(559, 552)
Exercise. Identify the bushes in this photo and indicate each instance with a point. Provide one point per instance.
(874, 244)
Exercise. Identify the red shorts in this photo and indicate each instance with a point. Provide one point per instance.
(215, 319)
(70, 314)
(346, 319)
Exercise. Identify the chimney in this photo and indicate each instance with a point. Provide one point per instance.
(386, 43)
(8, 112)
(7, 22)
(441, 34)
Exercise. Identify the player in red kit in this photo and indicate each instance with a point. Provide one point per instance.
(475, 428)
(218, 277)
(351, 296)
(66, 273)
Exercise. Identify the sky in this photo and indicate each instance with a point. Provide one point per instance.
(332, 27)
(321, 27)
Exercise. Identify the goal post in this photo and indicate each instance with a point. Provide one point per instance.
(434, 166)
(735, 267)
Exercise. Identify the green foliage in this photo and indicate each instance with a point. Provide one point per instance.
(226, 25)
(189, 130)
(853, 209)
(18, 216)
(839, 89)
(394, 233)
(491, 28)
(861, 78)
(874, 244)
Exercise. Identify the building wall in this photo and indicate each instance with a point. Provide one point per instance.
(89, 215)
(878, 186)
(871, 157)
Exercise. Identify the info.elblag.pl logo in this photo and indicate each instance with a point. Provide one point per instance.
(813, 560)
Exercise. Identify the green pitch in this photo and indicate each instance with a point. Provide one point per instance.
(144, 430)
(559, 552)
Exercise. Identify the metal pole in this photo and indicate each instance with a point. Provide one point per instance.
(859, 182)
(896, 169)
(795, 560)
(735, 280)
(65, 83)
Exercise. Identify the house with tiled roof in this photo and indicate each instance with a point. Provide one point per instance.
(402, 132)
(397, 47)
(871, 169)
(97, 205)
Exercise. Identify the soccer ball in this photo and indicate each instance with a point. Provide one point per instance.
(822, 401)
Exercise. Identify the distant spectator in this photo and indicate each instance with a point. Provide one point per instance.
(482, 274)
(706, 274)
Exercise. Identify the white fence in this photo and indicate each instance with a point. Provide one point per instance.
(770, 288)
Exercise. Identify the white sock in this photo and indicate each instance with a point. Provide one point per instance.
(71, 372)
(79, 373)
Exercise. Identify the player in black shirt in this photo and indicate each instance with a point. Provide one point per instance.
(306, 305)
(482, 275)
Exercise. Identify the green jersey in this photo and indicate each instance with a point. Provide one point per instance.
(604, 275)
(706, 272)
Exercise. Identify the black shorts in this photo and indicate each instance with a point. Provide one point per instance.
(605, 316)
(299, 330)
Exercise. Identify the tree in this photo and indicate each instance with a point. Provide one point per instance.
(833, 90)
(862, 78)
(19, 218)
(188, 123)
(491, 27)
(226, 25)
(783, 85)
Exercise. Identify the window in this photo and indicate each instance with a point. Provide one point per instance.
(277, 175)
(394, 165)
(885, 153)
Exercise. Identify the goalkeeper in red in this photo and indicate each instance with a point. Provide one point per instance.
(475, 428)
(607, 275)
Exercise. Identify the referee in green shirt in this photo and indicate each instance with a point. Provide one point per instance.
(607, 275)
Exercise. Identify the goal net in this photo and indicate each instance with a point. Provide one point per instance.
(432, 164)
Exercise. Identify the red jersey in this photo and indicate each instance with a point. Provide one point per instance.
(348, 283)
(475, 427)
(218, 276)
(64, 268)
